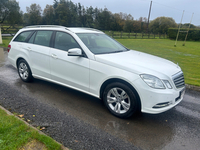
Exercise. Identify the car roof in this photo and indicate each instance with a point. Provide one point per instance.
(55, 27)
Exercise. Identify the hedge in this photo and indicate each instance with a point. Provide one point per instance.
(193, 35)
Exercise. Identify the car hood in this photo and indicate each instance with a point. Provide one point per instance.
(139, 63)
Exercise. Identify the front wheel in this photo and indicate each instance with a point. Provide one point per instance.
(24, 71)
(120, 100)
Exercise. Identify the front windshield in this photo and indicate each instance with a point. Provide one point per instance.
(99, 43)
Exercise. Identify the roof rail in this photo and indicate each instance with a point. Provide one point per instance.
(44, 26)
(92, 29)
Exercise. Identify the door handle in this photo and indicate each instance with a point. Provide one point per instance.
(54, 56)
(28, 48)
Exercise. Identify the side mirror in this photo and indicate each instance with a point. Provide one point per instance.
(75, 52)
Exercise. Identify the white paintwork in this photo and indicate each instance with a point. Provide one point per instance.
(38, 57)
(75, 52)
(70, 70)
(88, 74)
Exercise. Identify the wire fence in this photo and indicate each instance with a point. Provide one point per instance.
(7, 29)
(135, 35)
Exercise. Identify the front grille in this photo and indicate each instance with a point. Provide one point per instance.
(179, 80)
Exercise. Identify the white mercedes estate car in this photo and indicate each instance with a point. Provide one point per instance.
(88, 60)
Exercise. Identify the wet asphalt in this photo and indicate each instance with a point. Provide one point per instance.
(80, 121)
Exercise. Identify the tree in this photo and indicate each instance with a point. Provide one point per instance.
(33, 14)
(66, 13)
(48, 15)
(104, 19)
(161, 25)
(10, 12)
(90, 17)
(137, 26)
(143, 23)
(128, 27)
(186, 25)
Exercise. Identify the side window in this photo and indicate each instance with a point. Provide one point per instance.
(64, 41)
(23, 36)
(43, 38)
(31, 40)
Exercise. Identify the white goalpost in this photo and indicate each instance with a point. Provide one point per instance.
(183, 31)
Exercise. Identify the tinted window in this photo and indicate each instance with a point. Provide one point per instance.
(22, 36)
(65, 41)
(43, 38)
(31, 40)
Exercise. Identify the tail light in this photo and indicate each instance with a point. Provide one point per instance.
(9, 47)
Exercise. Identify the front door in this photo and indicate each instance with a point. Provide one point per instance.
(72, 71)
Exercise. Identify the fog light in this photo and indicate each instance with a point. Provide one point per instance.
(161, 105)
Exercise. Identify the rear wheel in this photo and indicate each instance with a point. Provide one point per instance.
(120, 100)
(24, 71)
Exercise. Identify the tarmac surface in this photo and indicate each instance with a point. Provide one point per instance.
(80, 121)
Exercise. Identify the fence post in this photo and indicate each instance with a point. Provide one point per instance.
(129, 35)
(0, 36)
(136, 35)
(142, 34)
(112, 33)
(148, 35)
(121, 35)
(154, 35)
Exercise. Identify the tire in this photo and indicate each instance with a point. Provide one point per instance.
(120, 100)
(24, 71)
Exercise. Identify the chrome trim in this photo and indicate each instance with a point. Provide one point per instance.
(161, 105)
(178, 80)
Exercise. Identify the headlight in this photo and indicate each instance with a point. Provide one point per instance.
(152, 81)
(167, 84)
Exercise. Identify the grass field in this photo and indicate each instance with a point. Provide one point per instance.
(6, 41)
(188, 56)
(14, 134)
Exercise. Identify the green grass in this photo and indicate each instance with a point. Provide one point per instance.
(188, 56)
(14, 134)
(6, 41)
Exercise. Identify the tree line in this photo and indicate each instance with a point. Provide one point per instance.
(69, 14)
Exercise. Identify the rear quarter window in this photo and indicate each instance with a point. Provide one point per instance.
(22, 36)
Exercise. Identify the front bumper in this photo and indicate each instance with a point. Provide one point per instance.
(156, 101)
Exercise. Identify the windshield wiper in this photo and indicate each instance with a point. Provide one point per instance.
(116, 51)
(113, 52)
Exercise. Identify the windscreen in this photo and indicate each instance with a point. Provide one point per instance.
(99, 43)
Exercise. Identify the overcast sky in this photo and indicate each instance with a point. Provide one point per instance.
(137, 8)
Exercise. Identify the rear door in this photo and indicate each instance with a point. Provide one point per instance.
(39, 47)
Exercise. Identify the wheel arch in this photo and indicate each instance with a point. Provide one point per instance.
(18, 59)
(103, 86)
(21, 58)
